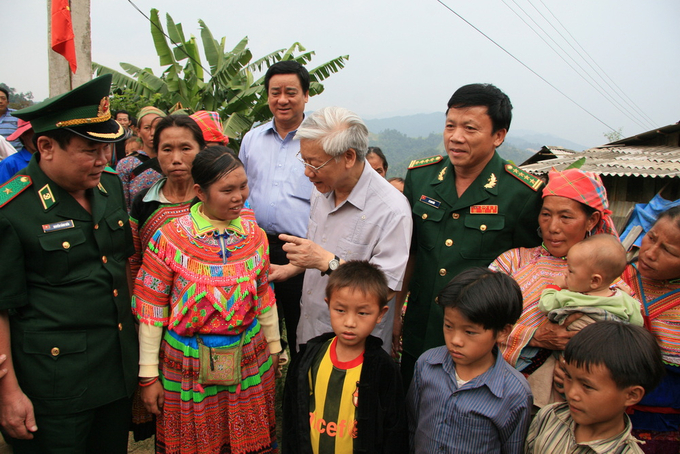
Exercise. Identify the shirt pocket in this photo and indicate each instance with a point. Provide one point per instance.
(54, 364)
(428, 222)
(348, 250)
(301, 187)
(116, 222)
(64, 256)
(477, 432)
(481, 232)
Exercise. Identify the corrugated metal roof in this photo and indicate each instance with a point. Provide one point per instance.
(646, 161)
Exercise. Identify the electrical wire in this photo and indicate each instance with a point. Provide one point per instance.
(599, 88)
(525, 65)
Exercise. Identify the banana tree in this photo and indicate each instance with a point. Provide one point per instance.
(226, 85)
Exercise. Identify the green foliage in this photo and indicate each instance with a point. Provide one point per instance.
(128, 100)
(227, 85)
(614, 136)
(18, 100)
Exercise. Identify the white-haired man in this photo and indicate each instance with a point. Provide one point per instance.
(355, 215)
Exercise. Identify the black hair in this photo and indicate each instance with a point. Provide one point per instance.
(487, 298)
(122, 112)
(672, 214)
(61, 136)
(497, 103)
(378, 152)
(629, 352)
(359, 275)
(179, 121)
(133, 121)
(5, 91)
(212, 163)
(288, 67)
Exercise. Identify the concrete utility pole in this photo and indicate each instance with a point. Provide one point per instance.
(61, 78)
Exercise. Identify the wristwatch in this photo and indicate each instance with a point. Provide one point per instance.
(332, 266)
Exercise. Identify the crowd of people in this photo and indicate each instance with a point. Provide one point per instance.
(469, 307)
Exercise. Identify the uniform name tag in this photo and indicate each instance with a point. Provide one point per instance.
(429, 201)
(484, 209)
(58, 226)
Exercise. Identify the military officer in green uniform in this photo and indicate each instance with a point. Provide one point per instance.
(65, 318)
(467, 210)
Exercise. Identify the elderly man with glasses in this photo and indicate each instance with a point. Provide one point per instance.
(355, 215)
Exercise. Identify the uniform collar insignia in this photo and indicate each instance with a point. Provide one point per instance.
(492, 182)
(46, 197)
(440, 177)
(101, 188)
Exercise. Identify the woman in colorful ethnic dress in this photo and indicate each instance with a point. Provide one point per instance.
(203, 289)
(140, 170)
(655, 278)
(177, 141)
(575, 205)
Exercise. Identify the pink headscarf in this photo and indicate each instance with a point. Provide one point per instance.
(583, 187)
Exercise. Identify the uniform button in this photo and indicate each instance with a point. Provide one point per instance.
(104, 259)
(66, 245)
(120, 222)
(120, 327)
(449, 242)
(482, 227)
(424, 216)
(55, 351)
(96, 226)
(455, 215)
(115, 292)
(442, 272)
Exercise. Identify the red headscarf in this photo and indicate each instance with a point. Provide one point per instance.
(210, 124)
(585, 188)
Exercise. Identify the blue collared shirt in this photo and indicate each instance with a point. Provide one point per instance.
(14, 163)
(490, 413)
(8, 124)
(279, 189)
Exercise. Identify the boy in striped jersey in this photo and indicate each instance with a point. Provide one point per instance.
(343, 392)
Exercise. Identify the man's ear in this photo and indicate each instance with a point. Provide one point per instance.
(634, 394)
(350, 158)
(503, 334)
(499, 137)
(46, 146)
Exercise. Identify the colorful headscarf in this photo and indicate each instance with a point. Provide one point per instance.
(583, 187)
(149, 110)
(211, 125)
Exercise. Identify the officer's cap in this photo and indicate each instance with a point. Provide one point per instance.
(84, 111)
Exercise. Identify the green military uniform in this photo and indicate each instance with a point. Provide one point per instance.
(65, 282)
(74, 343)
(499, 211)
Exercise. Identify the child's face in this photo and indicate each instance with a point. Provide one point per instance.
(469, 344)
(595, 401)
(354, 315)
(579, 274)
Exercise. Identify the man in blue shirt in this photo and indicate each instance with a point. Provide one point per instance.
(8, 123)
(17, 161)
(279, 189)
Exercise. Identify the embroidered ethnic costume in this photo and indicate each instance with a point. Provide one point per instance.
(197, 282)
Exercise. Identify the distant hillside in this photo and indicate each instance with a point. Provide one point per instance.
(405, 138)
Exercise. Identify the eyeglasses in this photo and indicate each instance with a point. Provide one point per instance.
(311, 167)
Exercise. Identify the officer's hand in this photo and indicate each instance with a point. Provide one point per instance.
(305, 253)
(17, 417)
(153, 398)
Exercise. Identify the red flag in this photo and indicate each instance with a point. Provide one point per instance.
(62, 32)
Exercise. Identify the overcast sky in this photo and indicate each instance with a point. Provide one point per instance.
(409, 56)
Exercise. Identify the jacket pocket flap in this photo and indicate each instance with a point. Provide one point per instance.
(55, 343)
(62, 241)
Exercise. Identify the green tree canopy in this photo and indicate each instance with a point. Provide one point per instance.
(226, 85)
